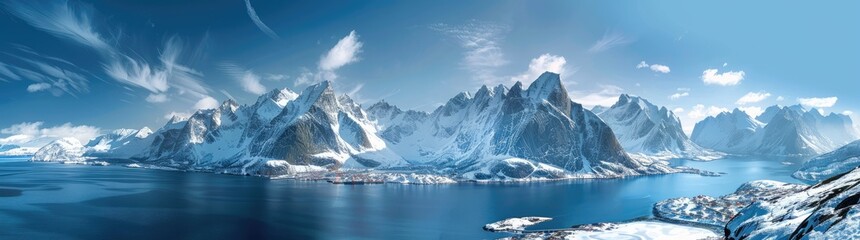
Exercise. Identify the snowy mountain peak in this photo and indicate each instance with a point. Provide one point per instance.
(549, 87)
(516, 90)
(143, 132)
(500, 91)
(229, 105)
(483, 92)
(642, 127)
(64, 149)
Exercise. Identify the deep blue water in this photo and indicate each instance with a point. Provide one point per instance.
(56, 201)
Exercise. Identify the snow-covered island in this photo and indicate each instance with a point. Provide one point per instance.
(717, 211)
(514, 224)
(645, 229)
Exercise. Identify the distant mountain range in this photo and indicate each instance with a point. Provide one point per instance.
(784, 131)
(498, 133)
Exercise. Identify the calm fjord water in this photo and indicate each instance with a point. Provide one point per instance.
(56, 201)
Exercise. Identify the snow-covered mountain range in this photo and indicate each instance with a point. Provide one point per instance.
(779, 130)
(512, 132)
(496, 134)
(642, 127)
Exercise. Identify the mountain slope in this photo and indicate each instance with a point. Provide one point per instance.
(642, 127)
(830, 164)
(828, 210)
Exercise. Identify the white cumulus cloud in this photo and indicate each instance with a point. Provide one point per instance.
(606, 95)
(752, 97)
(206, 103)
(26, 131)
(699, 111)
(654, 67)
(539, 65)
(35, 87)
(824, 102)
(752, 111)
(712, 77)
(696, 114)
(678, 95)
(343, 53)
(249, 80)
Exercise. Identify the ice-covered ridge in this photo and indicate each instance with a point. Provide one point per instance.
(830, 164)
(827, 210)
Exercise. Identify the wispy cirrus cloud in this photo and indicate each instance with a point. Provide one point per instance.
(610, 39)
(48, 74)
(63, 19)
(259, 22)
(481, 40)
(74, 22)
(249, 80)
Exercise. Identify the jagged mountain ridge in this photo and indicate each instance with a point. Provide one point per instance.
(642, 127)
(778, 131)
(281, 133)
(516, 132)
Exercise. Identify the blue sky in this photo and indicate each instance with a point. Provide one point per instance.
(111, 64)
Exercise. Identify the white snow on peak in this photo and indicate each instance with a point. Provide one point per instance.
(546, 84)
(60, 150)
(643, 128)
